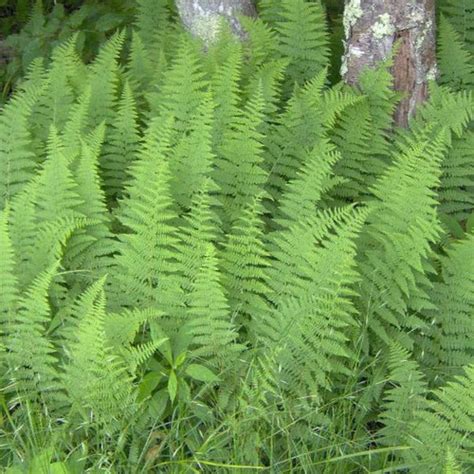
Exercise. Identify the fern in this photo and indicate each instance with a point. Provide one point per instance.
(193, 158)
(403, 399)
(313, 308)
(244, 261)
(461, 15)
(144, 277)
(198, 231)
(103, 80)
(455, 62)
(9, 291)
(183, 87)
(122, 145)
(303, 38)
(402, 226)
(30, 357)
(457, 181)
(95, 378)
(447, 423)
(17, 160)
(208, 319)
(450, 331)
(240, 174)
(57, 192)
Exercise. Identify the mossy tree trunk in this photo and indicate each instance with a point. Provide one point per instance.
(202, 17)
(374, 27)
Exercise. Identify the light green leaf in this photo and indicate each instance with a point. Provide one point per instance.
(172, 385)
(201, 373)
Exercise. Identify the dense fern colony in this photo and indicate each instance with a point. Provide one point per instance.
(212, 260)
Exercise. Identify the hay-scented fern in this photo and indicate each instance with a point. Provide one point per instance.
(213, 259)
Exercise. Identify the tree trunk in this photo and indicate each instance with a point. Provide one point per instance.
(374, 27)
(202, 17)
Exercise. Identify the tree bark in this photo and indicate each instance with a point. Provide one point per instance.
(203, 17)
(374, 27)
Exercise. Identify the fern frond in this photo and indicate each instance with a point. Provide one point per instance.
(9, 291)
(448, 344)
(30, 356)
(200, 228)
(404, 398)
(312, 283)
(96, 379)
(244, 261)
(76, 125)
(147, 247)
(57, 195)
(122, 145)
(303, 195)
(17, 160)
(57, 97)
(239, 173)
(91, 248)
(183, 87)
(193, 158)
(456, 64)
(103, 80)
(151, 23)
(261, 46)
(461, 16)
(396, 246)
(208, 319)
(456, 191)
(447, 423)
(303, 39)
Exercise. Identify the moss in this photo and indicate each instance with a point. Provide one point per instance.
(383, 27)
(352, 13)
(207, 26)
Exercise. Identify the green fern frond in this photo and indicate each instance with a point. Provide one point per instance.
(449, 344)
(456, 192)
(193, 157)
(461, 16)
(91, 248)
(200, 228)
(243, 262)
(240, 174)
(303, 39)
(17, 160)
(151, 23)
(144, 272)
(261, 46)
(312, 283)
(103, 80)
(208, 319)
(140, 71)
(9, 291)
(96, 379)
(446, 423)
(396, 242)
(404, 398)
(122, 145)
(57, 97)
(456, 64)
(303, 195)
(76, 125)
(183, 87)
(57, 194)
(225, 89)
(30, 357)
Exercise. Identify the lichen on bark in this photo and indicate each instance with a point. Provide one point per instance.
(203, 18)
(374, 27)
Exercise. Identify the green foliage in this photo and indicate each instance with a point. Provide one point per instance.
(216, 260)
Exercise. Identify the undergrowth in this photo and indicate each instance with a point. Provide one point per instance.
(216, 261)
